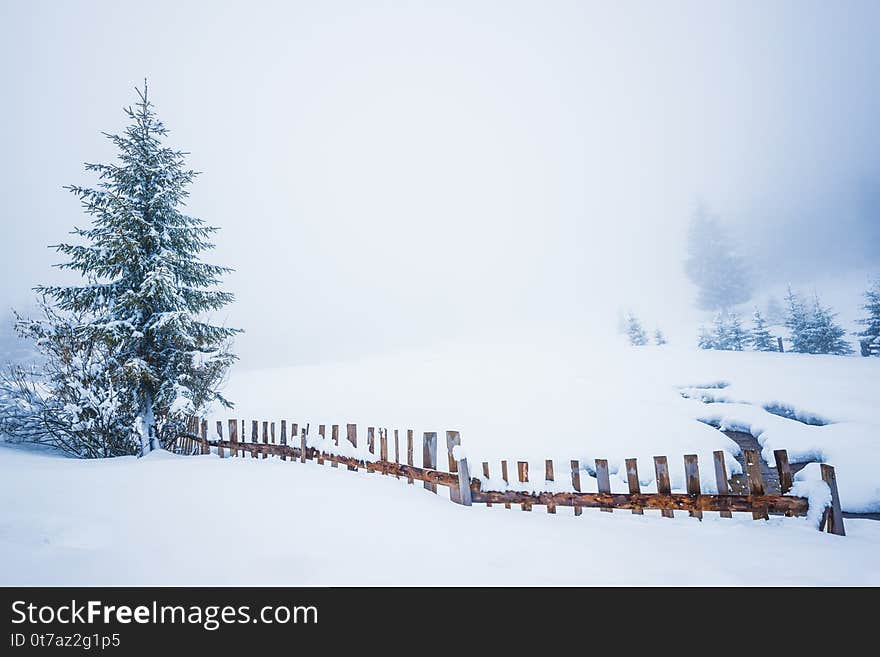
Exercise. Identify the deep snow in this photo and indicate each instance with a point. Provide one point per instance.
(246, 521)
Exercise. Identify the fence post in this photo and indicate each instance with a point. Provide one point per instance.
(522, 470)
(506, 480)
(548, 476)
(603, 480)
(661, 471)
(383, 445)
(453, 439)
(265, 437)
(409, 451)
(302, 444)
(632, 480)
(779, 344)
(721, 479)
(334, 436)
(396, 450)
(464, 483)
(833, 517)
(784, 470)
(576, 482)
(283, 439)
(429, 456)
(255, 437)
(233, 437)
(371, 440)
(692, 476)
(486, 475)
(351, 432)
(220, 437)
(756, 481)
(321, 430)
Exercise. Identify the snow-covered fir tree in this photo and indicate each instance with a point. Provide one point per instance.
(146, 293)
(714, 266)
(635, 332)
(760, 337)
(870, 334)
(814, 329)
(720, 332)
(659, 337)
(738, 337)
(705, 339)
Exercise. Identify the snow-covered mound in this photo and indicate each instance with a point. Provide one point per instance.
(569, 399)
(167, 520)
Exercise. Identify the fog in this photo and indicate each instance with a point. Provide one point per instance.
(390, 174)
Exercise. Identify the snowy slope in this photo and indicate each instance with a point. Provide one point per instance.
(169, 520)
(567, 398)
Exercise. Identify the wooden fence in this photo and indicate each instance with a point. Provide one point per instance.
(467, 490)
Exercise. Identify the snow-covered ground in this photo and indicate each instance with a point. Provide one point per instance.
(201, 520)
(573, 399)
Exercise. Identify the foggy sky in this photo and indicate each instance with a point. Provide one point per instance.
(386, 174)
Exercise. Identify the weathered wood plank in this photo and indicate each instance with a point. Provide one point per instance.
(303, 451)
(784, 470)
(506, 480)
(692, 479)
(371, 440)
(255, 437)
(603, 480)
(334, 436)
(220, 435)
(452, 440)
(409, 451)
(321, 432)
(756, 481)
(576, 482)
(206, 448)
(548, 476)
(464, 483)
(661, 472)
(833, 516)
(721, 478)
(396, 448)
(632, 480)
(429, 456)
(486, 475)
(233, 437)
(352, 436)
(383, 444)
(265, 437)
(522, 471)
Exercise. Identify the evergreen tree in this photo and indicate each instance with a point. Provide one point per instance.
(760, 337)
(721, 332)
(826, 335)
(705, 340)
(659, 338)
(797, 321)
(635, 332)
(871, 333)
(146, 293)
(737, 336)
(714, 266)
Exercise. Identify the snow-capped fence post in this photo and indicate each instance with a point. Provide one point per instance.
(506, 480)
(661, 471)
(303, 448)
(429, 456)
(692, 477)
(832, 519)
(351, 433)
(522, 470)
(283, 439)
(409, 451)
(233, 437)
(464, 482)
(756, 481)
(576, 482)
(220, 437)
(452, 440)
(383, 444)
(334, 436)
(548, 476)
(784, 470)
(265, 437)
(721, 479)
(486, 475)
(632, 480)
(371, 439)
(206, 448)
(321, 430)
(603, 480)
(779, 344)
(255, 437)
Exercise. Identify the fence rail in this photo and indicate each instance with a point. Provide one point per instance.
(467, 490)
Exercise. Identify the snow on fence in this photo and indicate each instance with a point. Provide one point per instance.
(468, 490)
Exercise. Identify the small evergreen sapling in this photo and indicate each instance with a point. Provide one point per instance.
(635, 332)
(760, 337)
(659, 338)
(870, 335)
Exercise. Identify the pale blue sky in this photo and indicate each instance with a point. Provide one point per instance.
(386, 173)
